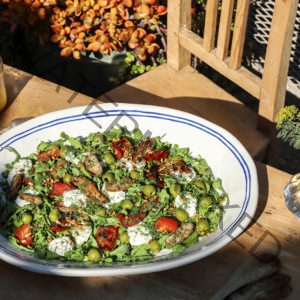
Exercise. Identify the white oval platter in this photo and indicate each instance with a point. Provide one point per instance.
(226, 156)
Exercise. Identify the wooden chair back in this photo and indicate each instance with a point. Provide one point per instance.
(221, 47)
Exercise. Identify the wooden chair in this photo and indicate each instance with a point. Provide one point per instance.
(177, 85)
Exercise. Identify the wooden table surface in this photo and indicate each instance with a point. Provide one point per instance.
(273, 229)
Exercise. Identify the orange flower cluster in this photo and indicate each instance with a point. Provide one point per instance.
(100, 26)
(106, 26)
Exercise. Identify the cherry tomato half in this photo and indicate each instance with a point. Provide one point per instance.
(24, 235)
(49, 154)
(166, 224)
(157, 155)
(120, 145)
(106, 237)
(58, 188)
(57, 228)
(130, 220)
(43, 156)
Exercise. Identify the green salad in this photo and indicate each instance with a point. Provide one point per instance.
(109, 197)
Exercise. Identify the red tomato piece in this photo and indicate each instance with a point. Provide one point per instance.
(57, 228)
(166, 224)
(25, 180)
(160, 184)
(24, 235)
(157, 155)
(43, 156)
(106, 237)
(120, 146)
(58, 188)
(53, 152)
(130, 220)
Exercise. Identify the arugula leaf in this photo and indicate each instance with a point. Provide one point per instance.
(141, 252)
(75, 142)
(121, 253)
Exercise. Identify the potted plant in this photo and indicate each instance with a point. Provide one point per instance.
(98, 30)
(288, 126)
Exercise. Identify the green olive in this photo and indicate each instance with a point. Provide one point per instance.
(67, 178)
(154, 246)
(200, 184)
(206, 202)
(18, 222)
(98, 138)
(94, 255)
(124, 238)
(108, 177)
(109, 158)
(54, 215)
(127, 204)
(149, 190)
(175, 189)
(181, 215)
(134, 174)
(63, 151)
(100, 212)
(26, 218)
(202, 225)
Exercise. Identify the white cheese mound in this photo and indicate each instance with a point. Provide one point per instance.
(82, 234)
(131, 165)
(183, 176)
(61, 245)
(185, 201)
(71, 157)
(139, 234)
(74, 197)
(114, 197)
(20, 167)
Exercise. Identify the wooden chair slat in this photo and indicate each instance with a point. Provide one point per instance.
(224, 29)
(244, 78)
(179, 15)
(209, 37)
(239, 32)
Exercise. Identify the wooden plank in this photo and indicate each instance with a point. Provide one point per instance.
(40, 96)
(209, 37)
(239, 32)
(15, 80)
(242, 77)
(179, 15)
(277, 61)
(224, 29)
